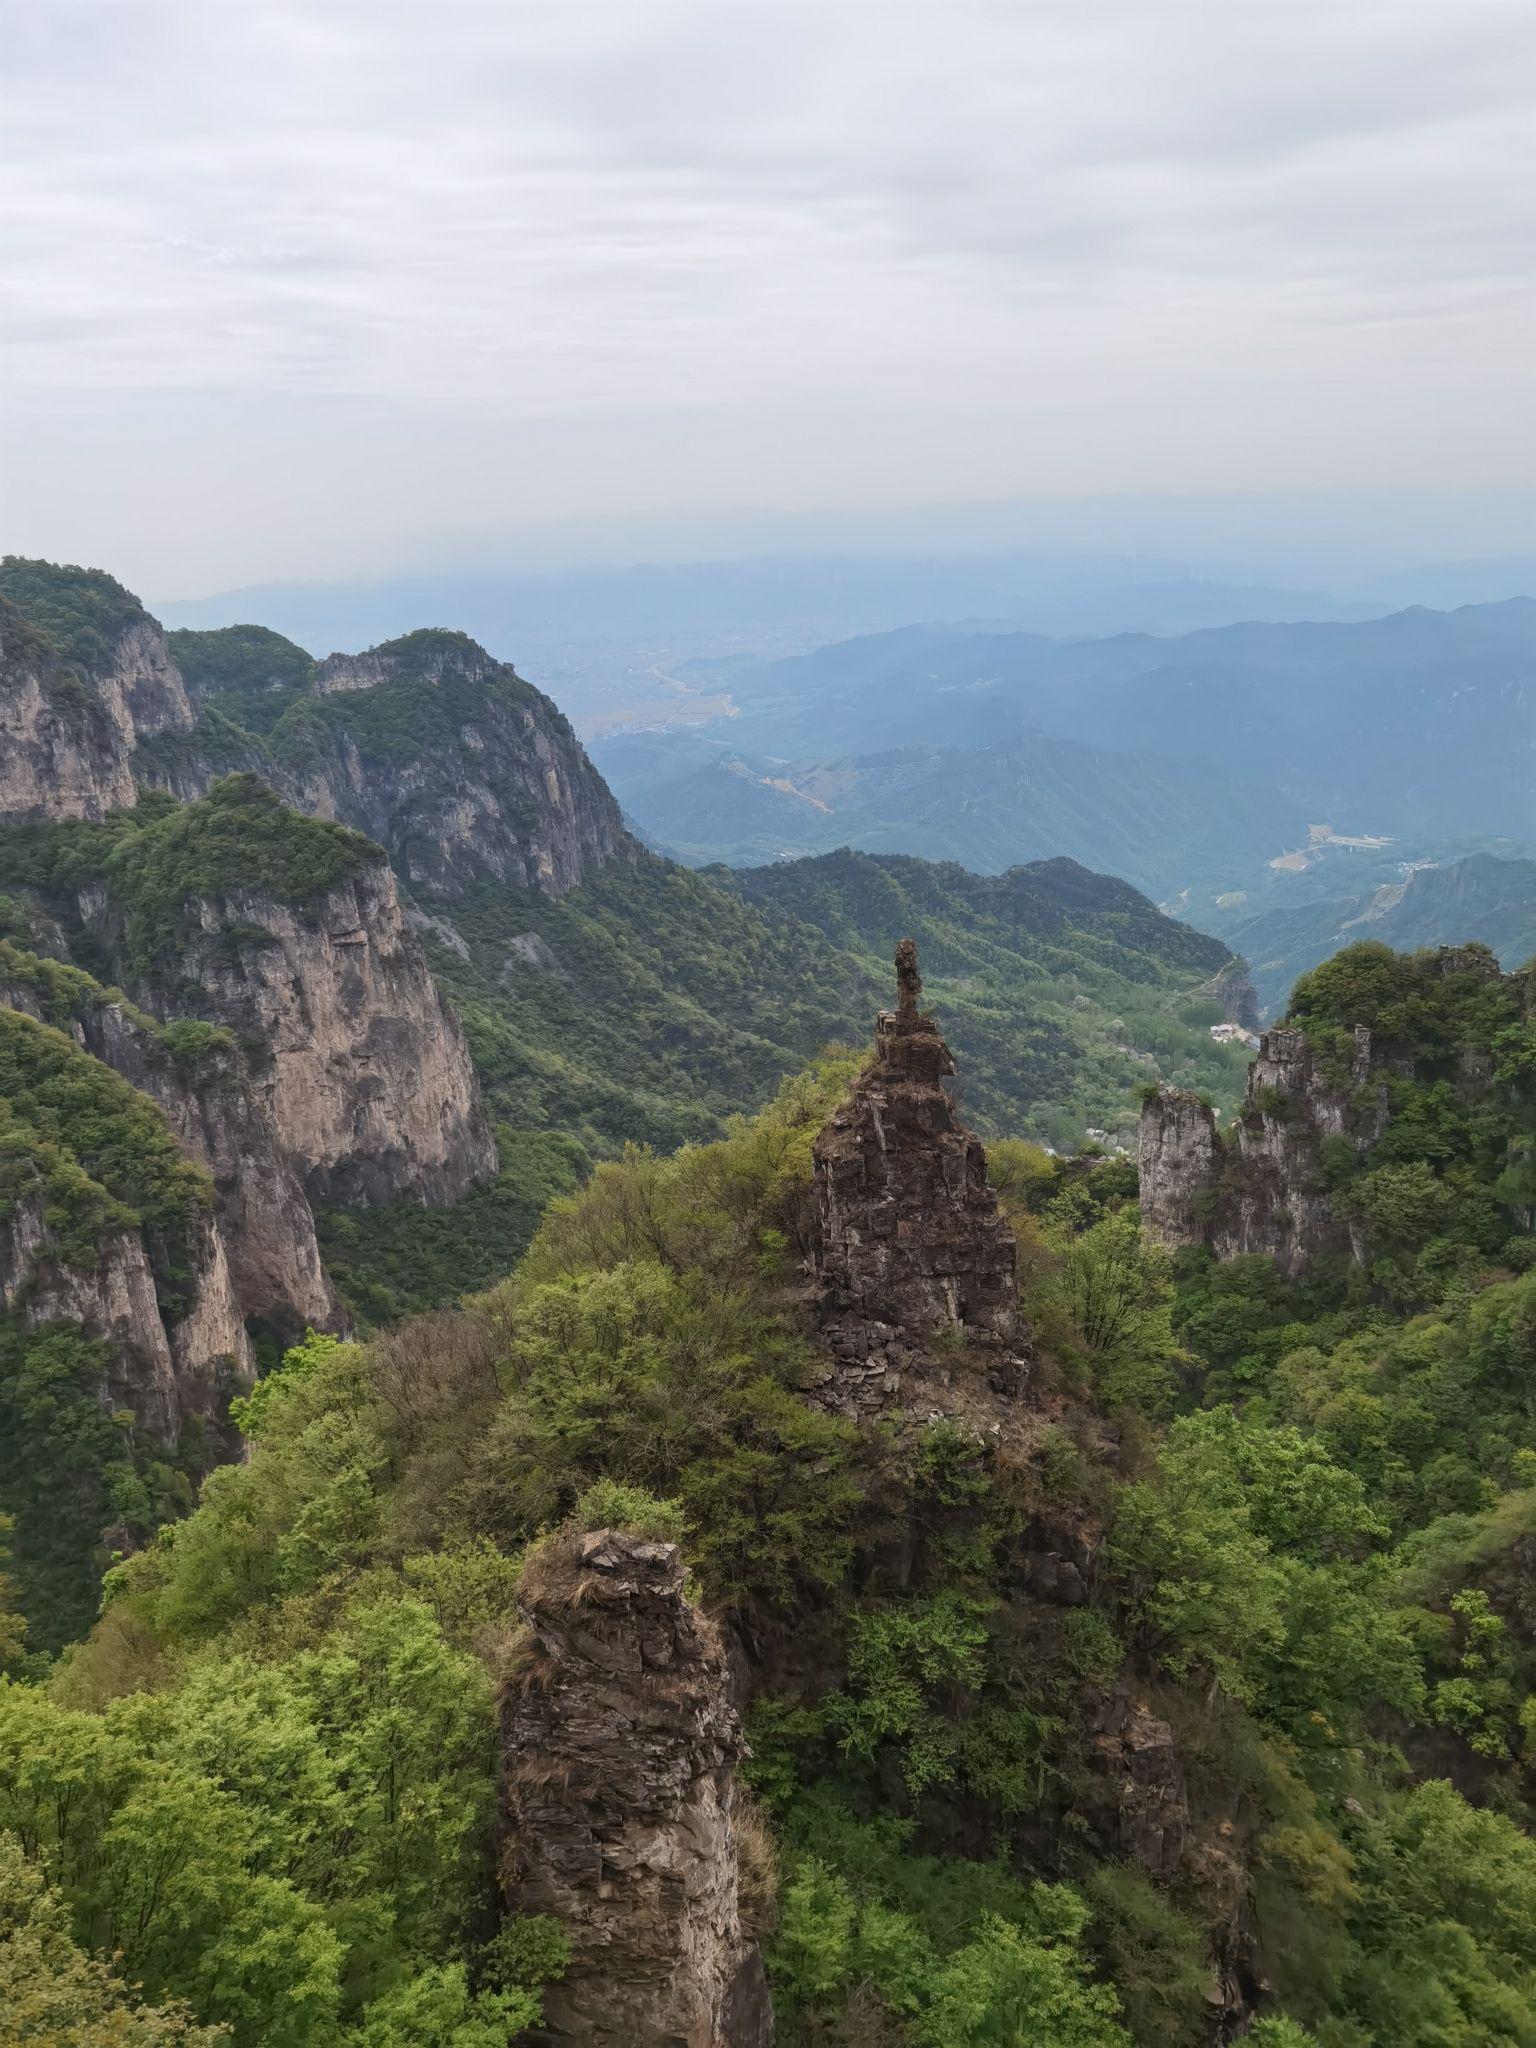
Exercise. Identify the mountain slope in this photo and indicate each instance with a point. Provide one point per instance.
(458, 767)
(608, 996)
(1062, 991)
(1163, 824)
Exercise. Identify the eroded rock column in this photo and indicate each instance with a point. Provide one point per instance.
(619, 1742)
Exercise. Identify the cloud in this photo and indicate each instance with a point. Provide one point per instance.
(1005, 245)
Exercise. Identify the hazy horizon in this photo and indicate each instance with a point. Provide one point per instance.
(335, 292)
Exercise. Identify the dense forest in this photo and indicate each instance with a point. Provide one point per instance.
(265, 1786)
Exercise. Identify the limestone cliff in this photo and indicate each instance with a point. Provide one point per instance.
(84, 678)
(445, 756)
(462, 770)
(151, 1282)
(62, 755)
(618, 1745)
(357, 1065)
(1262, 1190)
(909, 1243)
(224, 1123)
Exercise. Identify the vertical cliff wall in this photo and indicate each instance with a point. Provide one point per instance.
(85, 676)
(618, 1745)
(105, 1224)
(465, 772)
(356, 1060)
(1262, 1189)
(204, 1091)
(62, 754)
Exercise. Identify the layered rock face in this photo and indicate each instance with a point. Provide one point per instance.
(68, 730)
(141, 686)
(909, 1243)
(618, 1745)
(162, 1300)
(62, 755)
(357, 1064)
(460, 769)
(265, 1221)
(161, 1371)
(500, 789)
(1266, 1193)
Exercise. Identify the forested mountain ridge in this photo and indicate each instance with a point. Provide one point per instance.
(281, 1021)
(1063, 989)
(608, 996)
(1142, 1662)
(844, 1582)
(1209, 769)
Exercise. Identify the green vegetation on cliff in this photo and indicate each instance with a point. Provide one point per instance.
(90, 1158)
(434, 684)
(244, 663)
(99, 1151)
(240, 836)
(154, 859)
(1324, 1628)
(81, 612)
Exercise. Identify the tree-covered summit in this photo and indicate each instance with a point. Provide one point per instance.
(81, 612)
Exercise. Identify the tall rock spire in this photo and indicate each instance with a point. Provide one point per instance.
(908, 1231)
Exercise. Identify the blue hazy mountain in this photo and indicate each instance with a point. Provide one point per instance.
(1161, 823)
(1417, 722)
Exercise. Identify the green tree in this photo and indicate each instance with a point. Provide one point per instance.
(54, 1995)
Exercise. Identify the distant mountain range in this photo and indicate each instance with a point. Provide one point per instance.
(1280, 783)
(1421, 721)
(812, 596)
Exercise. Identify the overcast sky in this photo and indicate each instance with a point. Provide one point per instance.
(323, 289)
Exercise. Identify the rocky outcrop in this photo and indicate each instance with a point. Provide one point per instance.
(62, 755)
(1180, 1162)
(222, 1122)
(619, 1742)
(498, 788)
(909, 1245)
(69, 728)
(907, 1230)
(167, 1314)
(1262, 1190)
(1134, 1752)
(358, 1067)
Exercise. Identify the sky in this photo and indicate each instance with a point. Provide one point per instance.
(324, 290)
